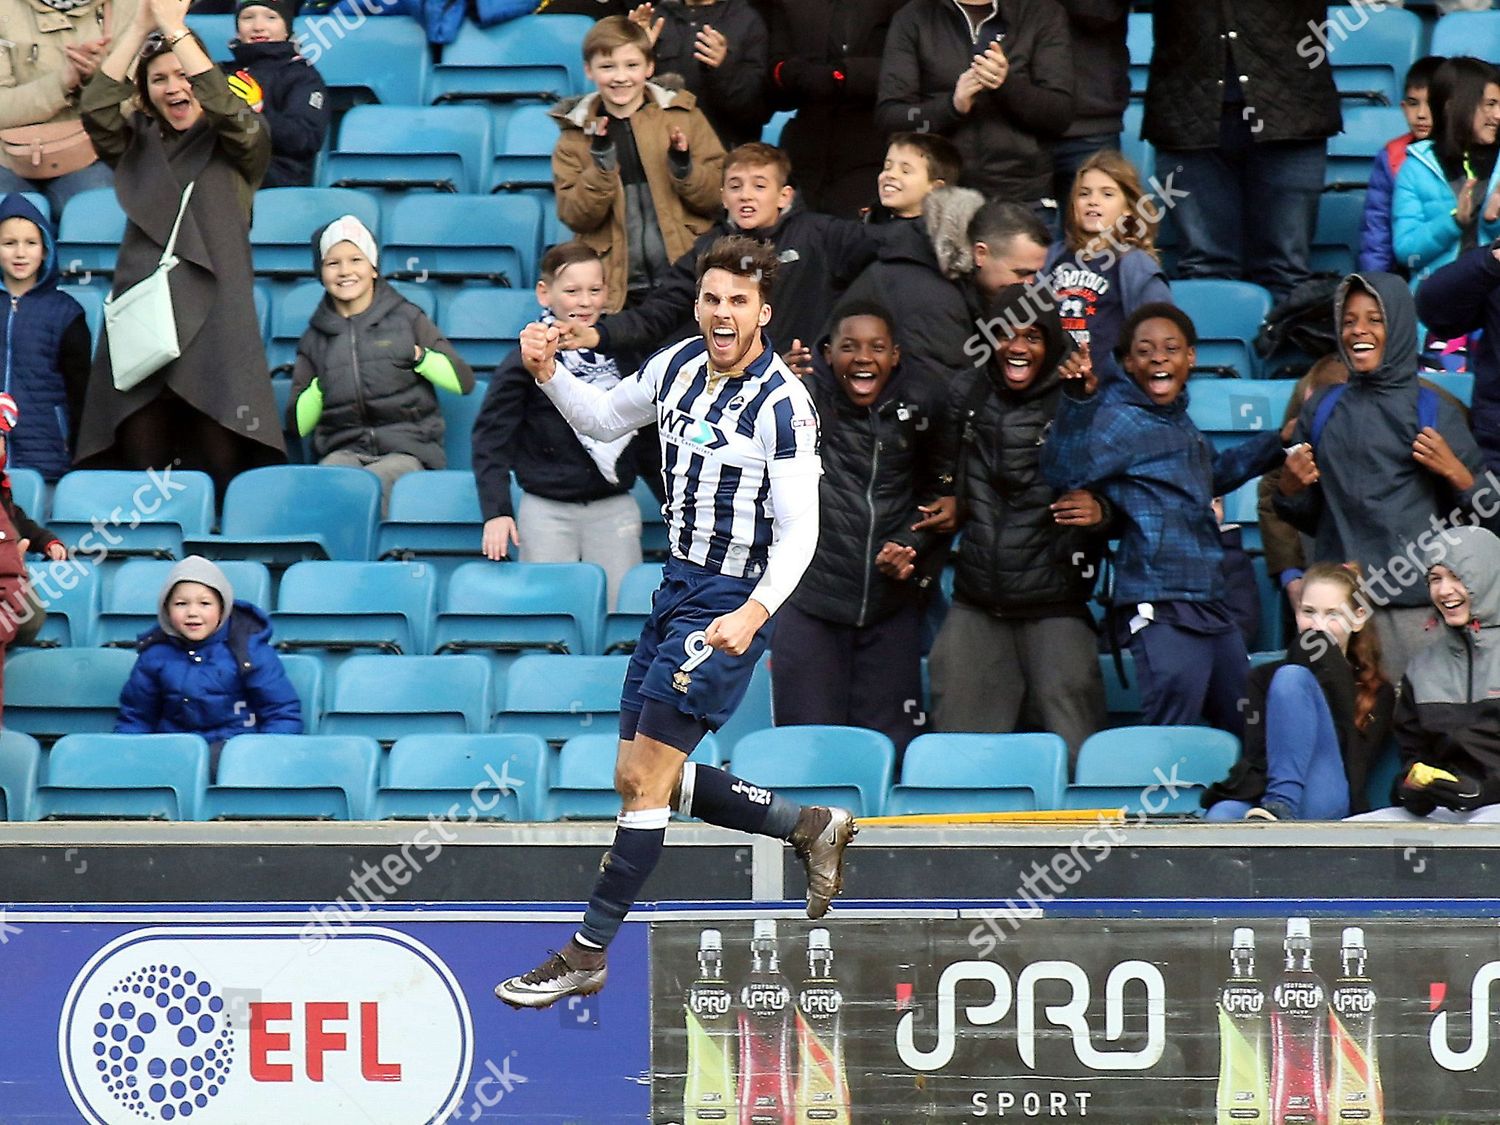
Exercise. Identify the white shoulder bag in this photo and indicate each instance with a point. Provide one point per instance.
(140, 323)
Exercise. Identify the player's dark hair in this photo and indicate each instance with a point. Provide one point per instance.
(743, 257)
(860, 307)
(1156, 310)
(996, 223)
(944, 161)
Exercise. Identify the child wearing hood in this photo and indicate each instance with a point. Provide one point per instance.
(364, 386)
(208, 668)
(1392, 461)
(1133, 443)
(274, 80)
(45, 340)
(1018, 638)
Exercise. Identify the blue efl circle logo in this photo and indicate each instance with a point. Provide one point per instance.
(163, 1043)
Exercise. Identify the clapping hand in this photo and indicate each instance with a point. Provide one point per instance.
(83, 59)
(992, 67)
(965, 90)
(710, 47)
(645, 15)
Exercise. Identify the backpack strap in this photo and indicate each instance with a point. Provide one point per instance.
(1427, 408)
(1325, 408)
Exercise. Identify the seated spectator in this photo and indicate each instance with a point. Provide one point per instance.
(208, 668)
(1241, 591)
(32, 536)
(576, 504)
(270, 73)
(916, 165)
(1018, 638)
(819, 256)
(1000, 86)
(638, 167)
(1377, 249)
(46, 342)
(1463, 298)
(847, 647)
(368, 368)
(1392, 461)
(1316, 720)
(1447, 197)
(1101, 85)
(825, 65)
(718, 49)
(1134, 444)
(1106, 266)
(51, 51)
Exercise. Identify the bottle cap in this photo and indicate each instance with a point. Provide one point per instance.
(1244, 938)
(1298, 928)
(711, 941)
(765, 928)
(817, 941)
(1354, 938)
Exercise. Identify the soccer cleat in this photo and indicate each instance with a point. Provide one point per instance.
(556, 978)
(819, 840)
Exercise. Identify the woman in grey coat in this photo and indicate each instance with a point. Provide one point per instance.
(211, 408)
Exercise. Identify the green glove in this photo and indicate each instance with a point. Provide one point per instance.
(437, 369)
(309, 408)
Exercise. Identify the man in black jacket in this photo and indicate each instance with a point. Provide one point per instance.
(847, 649)
(718, 48)
(1242, 109)
(993, 76)
(819, 256)
(1018, 639)
(1101, 85)
(825, 64)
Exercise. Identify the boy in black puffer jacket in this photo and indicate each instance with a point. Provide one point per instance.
(275, 80)
(847, 648)
(363, 384)
(1018, 639)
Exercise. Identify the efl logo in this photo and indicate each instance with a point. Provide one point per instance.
(227, 1024)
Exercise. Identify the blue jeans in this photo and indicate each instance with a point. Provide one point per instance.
(1304, 767)
(1069, 153)
(60, 189)
(1250, 209)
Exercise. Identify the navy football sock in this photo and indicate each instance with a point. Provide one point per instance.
(639, 839)
(718, 797)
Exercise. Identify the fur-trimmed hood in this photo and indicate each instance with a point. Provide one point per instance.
(940, 238)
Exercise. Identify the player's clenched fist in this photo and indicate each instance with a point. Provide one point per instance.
(733, 632)
(539, 349)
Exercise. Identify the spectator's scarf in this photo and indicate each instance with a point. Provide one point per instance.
(602, 371)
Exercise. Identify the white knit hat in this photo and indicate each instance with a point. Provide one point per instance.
(346, 228)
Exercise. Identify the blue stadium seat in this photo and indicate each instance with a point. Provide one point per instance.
(1242, 507)
(1371, 49)
(771, 131)
(1467, 33)
(1122, 702)
(286, 513)
(948, 773)
(148, 513)
(130, 594)
(485, 324)
(1118, 768)
(29, 492)
(1335, 245)
(1383, 771)
(490, 238)
(517, 607)
(92, 300)
(846, 766)
(558, 697)
(754, 712)
(1135, 147)
(124, 777)
(465, 777)
(583, 787)
(385, 60)
(1232, 410)
(69, 591)
(1271, 626)
(443, 148)
(523, 153)
(1227, 314)
(622, 628)
(1459, 384)
(294, 777)
(554, 230)
(434, 513)
(389, 697)
(215, 29)
(459, 412)
(654, 544)
(529, 57)
(286, 218)
(52, 692)
(20, 762)
(343, 606)
(1140, 41)
(90, 233)
(1367, 130)
(306, 673)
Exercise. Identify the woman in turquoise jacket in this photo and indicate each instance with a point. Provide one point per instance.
(1448, 190)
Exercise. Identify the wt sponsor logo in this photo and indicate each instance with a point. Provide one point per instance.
(1071, 1016)
(224, 1025)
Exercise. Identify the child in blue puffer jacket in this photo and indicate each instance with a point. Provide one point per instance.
(209, 667)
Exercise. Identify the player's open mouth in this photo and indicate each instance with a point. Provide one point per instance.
(724, 337)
